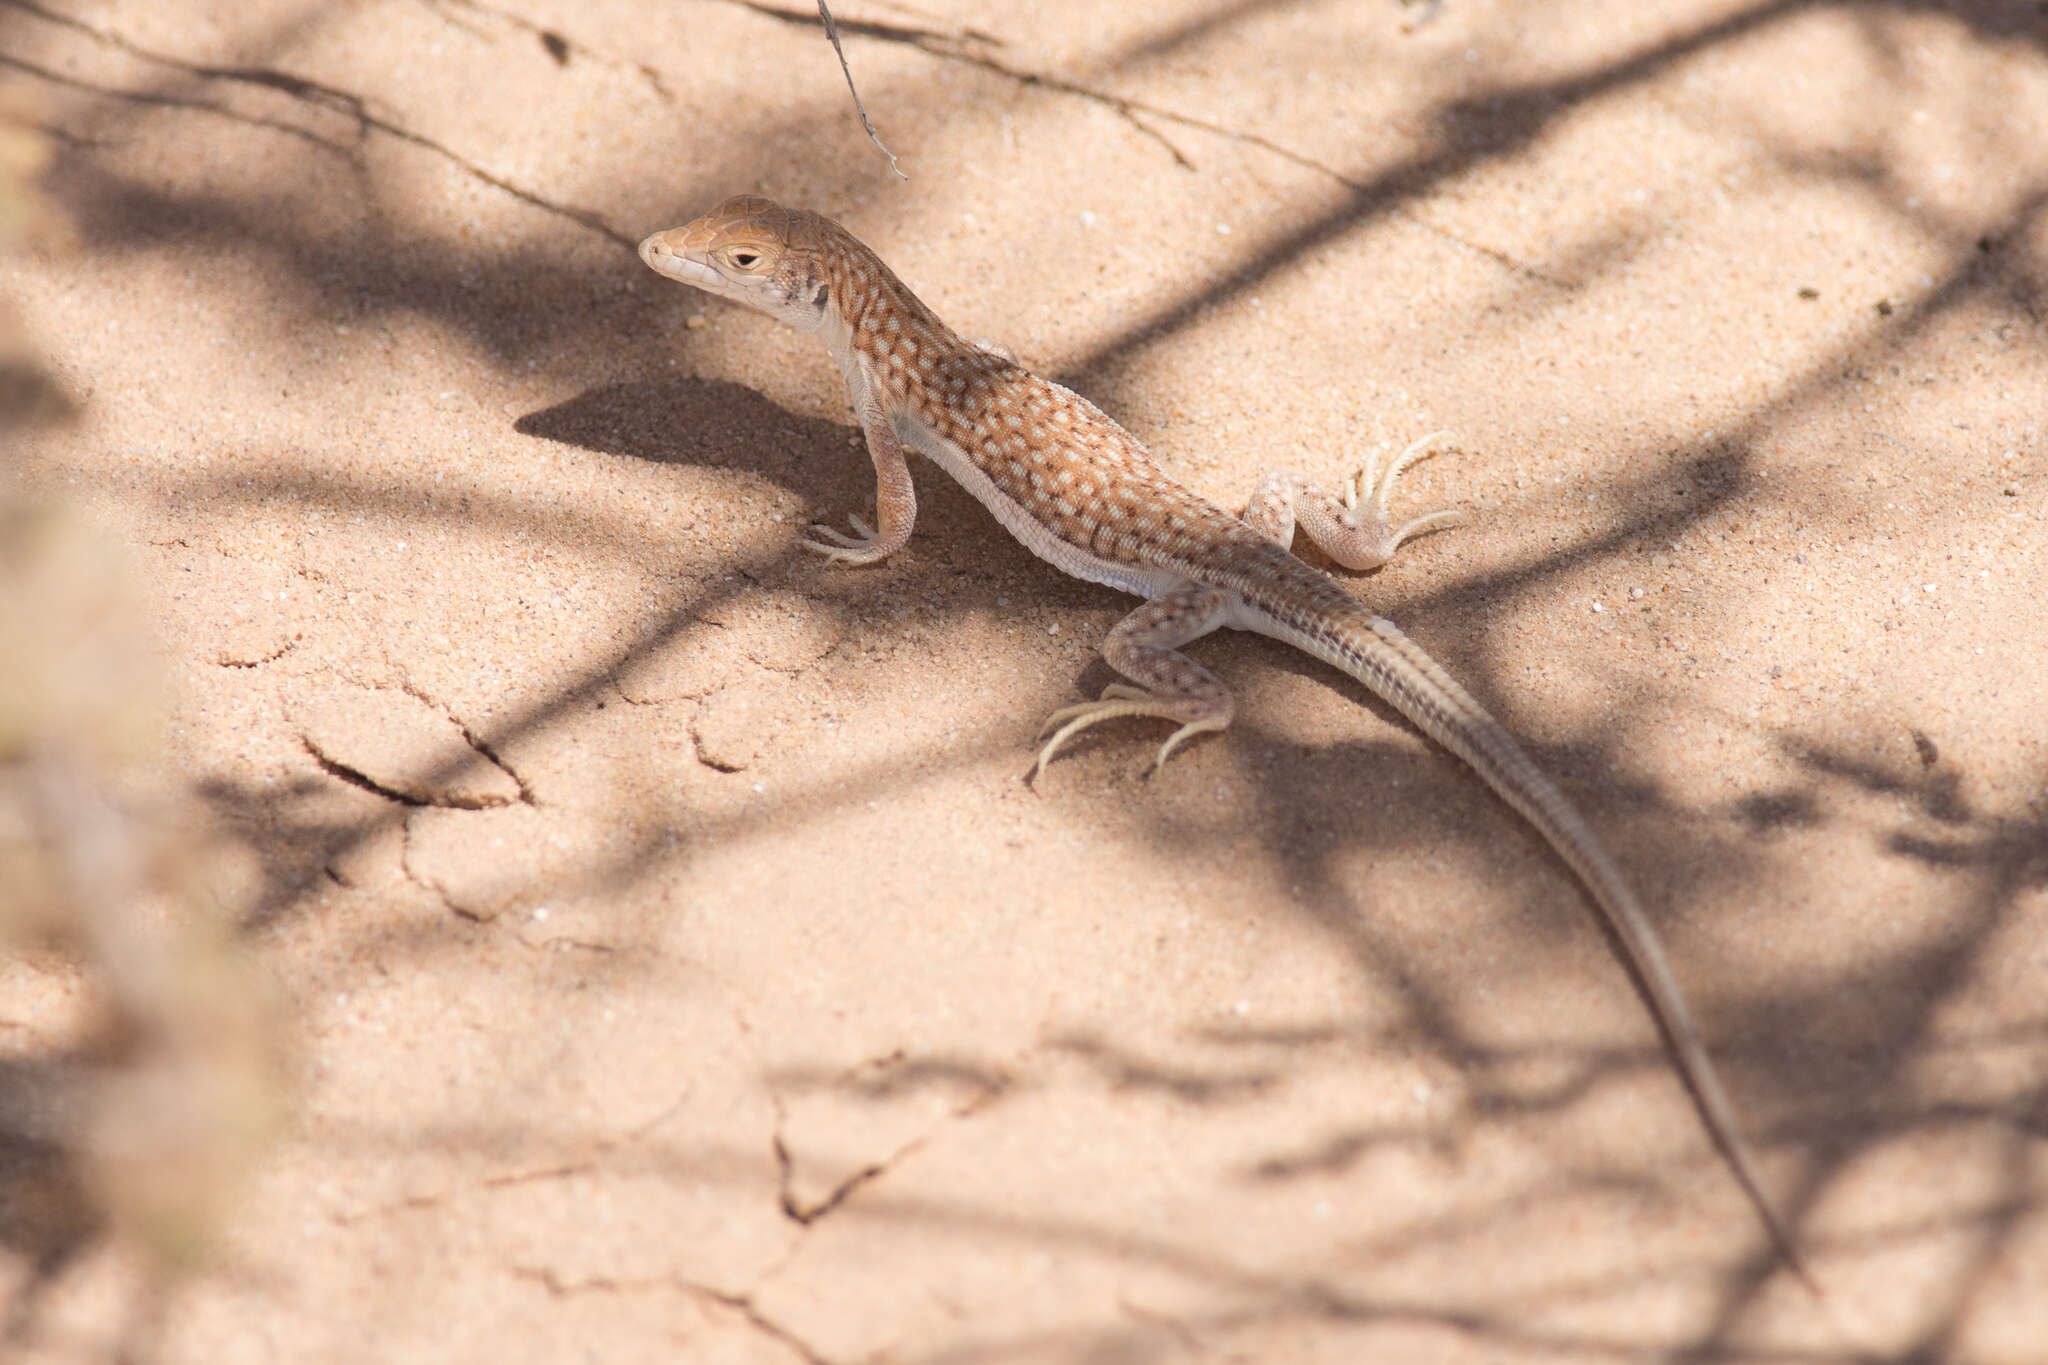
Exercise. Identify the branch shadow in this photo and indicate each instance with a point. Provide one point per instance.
(541, 298)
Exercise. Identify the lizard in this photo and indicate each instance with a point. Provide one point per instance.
(1080, 492)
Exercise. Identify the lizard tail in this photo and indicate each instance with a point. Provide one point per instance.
(1375, 652)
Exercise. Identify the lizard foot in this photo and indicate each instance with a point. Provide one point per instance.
(1121, 699)
(840, 548)
(1376, 486)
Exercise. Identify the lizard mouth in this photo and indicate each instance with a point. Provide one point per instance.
(665, 259)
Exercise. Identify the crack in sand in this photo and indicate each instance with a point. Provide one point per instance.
(557, 44)
(743, 1304)
(307, 92)
(785, 1164)
(405, 1205)
(551, 1280)
(415, 798)
(477, 743)
(785, 1167)
(430, 885)
(224, 659)
(706, 752)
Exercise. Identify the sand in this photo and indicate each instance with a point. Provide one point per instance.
(665, 957)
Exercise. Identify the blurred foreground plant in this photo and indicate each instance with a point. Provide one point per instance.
(143, 1119)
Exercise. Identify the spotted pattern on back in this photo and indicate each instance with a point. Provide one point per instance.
(1080, 474)
(1061, 458)
(1056, 455)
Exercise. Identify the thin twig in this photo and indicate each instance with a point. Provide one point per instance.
(832, 32)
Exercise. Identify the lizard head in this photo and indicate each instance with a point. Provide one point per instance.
(750, 250)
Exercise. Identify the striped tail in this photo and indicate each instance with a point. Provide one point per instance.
(1375, 652)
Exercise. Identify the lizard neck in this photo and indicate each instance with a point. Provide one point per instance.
(875, 315)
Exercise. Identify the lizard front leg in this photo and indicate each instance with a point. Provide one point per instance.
(1145, 647)
(895, 496)
(1353, 528)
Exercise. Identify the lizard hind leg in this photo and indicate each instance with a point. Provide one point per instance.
(1351, 526)
(1145, 647)
(1371, 481)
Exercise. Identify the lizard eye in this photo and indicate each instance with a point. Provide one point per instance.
(744, 259)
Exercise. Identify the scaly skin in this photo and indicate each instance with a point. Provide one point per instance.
(1080, 492)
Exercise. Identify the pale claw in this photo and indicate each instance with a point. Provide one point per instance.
(840, 548)
(1377, 487)
(1173, 741)
(1117, 699)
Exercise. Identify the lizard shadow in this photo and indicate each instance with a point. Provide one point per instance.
(682, 420)
(714, 423)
